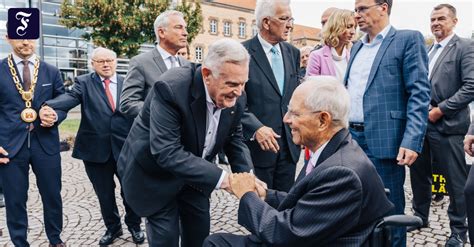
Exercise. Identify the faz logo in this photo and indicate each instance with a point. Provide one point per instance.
(23, 23)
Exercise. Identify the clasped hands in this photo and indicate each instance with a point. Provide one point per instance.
(241, 183)
(47, 116)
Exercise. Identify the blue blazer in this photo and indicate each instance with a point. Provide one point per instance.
(14, 131)
(102, 132)
(397, 94)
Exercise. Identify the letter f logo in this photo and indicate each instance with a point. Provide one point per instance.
(23, 23)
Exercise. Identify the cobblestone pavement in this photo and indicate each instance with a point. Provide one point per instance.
(83, 225)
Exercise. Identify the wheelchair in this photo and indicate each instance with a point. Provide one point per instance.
(381, 235)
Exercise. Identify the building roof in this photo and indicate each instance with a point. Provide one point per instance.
(247, 4)
(302, 32)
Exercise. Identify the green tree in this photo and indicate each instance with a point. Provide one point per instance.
(123, 25)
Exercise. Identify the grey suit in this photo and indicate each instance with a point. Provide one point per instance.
(144, 71)
(452, 81)
(337, 204)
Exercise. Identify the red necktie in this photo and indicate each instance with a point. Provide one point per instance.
(109, 94)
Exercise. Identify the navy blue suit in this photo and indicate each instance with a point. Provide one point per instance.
(336, 204)
(100, 138)
(40, 148)
(395, 105)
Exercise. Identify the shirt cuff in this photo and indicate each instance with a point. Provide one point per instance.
(219, 183)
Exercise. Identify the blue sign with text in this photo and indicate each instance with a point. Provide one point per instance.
(23, 23)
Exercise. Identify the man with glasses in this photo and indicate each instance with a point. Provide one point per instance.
(338, 196)
(100, 138)
(273, 76)
(390, 94)
(146, 68)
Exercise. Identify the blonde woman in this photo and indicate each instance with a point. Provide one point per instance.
(332, 58)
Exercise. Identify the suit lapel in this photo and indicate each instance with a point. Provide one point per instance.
(287, 61)
(198, 109)
(328, 60)
(380, 53)
(119, 91)
(451, 45)
(159, 60)
(333, 145)
(258, 54)
(37, 101)
(355, 49)
(97, 83)
(225, 120)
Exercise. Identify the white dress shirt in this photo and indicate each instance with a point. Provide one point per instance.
(443, 44)
(167, 57)
(267, 49)
(315, 156)
(359, 73)
(19, 65)
(212, 123)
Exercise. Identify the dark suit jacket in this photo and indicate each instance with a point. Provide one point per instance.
(13, 131)
(144, 70)
(452, 85)
(397, 94)
(163, 150)
(101, 132)
(266, 105)
(337, 204)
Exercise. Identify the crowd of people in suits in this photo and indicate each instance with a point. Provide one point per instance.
(363, 110)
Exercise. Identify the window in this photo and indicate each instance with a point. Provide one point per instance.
(242, 29)
(198, 54)
(213, 26)
(254, 29)
(226, 28)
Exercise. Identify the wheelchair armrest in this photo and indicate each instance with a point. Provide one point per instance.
(400, 220)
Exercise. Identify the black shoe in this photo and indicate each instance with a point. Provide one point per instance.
(456, 240)
(138, 235)
(413, 228)
(110, 236)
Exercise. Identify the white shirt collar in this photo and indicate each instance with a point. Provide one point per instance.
(379, 37)
(113, 78)
(315, 156)
(445, 41)
(164, 54)
(18, 59)
(266, 45)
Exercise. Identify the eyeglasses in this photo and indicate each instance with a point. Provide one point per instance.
(364, 9)
(294, 114)
(286, 19)
(104, 61)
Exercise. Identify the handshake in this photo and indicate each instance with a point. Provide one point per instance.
(241, 183)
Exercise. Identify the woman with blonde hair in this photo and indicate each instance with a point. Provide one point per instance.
(333, 57)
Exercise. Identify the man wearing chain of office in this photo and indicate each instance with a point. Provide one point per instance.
(29, 137)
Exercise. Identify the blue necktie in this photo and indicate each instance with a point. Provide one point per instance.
(278, 69)
(433, 52)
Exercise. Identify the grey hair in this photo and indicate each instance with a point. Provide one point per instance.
(265, 8)
(98, 50)
(328, 94)
(223, 51)
(306, 48)
(162, 21)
